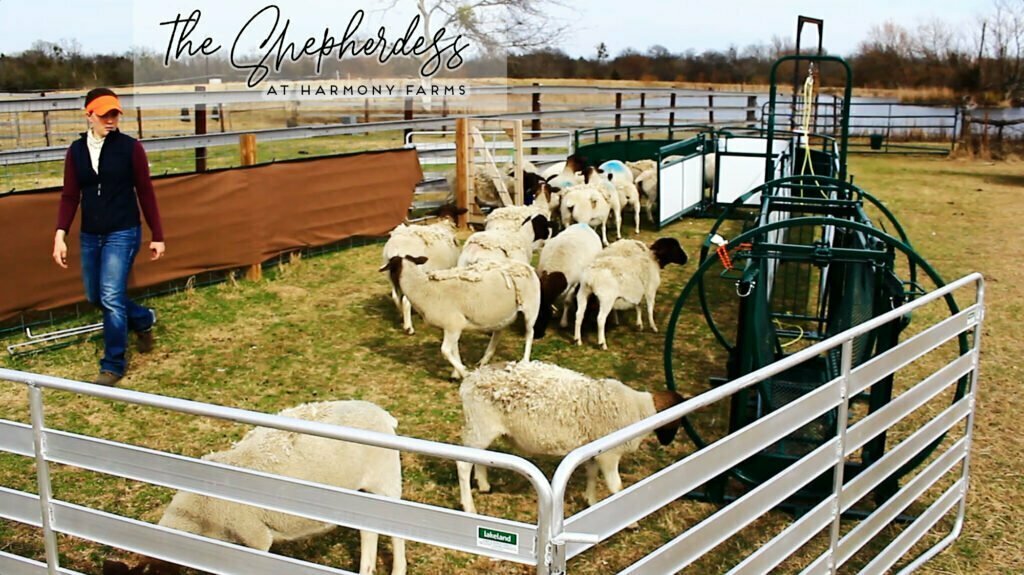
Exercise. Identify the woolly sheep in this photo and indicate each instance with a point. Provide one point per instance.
(547, 198)
(307, 457)
(511, 218)
(624, 282)
(501, 244)
(549, 410)
(586, 204)
(436, 241)
(486, 296)
(640, 166)
(563, 259)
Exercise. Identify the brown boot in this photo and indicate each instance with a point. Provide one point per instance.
(144, 341)
(107, 378)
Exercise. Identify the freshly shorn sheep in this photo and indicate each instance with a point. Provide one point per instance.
(307, 457)
(437, 242)
(486, 296)
(586, 204)
(604, 184)
(647, 186)
(549, 410)
(625, 280)
(563, 259)
(503, 244)
(628, 196)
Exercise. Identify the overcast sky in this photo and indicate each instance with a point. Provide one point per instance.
(105, 26)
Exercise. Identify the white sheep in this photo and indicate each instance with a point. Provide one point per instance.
(437, 242)
(547, 198)
(625, 279)
(501, 244)
(486, 296)
(647, 186)
(640, 166)
(545, 409)
(595, 177)
(629, 196)
(564, 258)
(307, 457)
(586, 204)
(511, 218)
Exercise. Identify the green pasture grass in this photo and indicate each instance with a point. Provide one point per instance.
(324, 328)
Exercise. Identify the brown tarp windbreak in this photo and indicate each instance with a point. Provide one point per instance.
(213, 221)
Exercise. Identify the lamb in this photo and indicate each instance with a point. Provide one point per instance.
(500, 244)
(549, 410)
(486, 296)
(437, 242)
(628, 196)
(564, 258)
(604, 184)
(624, 279)
(307, 457)
(586, 204)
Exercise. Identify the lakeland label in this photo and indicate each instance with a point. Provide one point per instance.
(497, 540)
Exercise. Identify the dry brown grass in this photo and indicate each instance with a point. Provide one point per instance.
(324, 328)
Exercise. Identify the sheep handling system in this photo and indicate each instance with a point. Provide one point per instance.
(805, 262)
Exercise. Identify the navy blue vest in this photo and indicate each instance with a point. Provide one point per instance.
(109, 203)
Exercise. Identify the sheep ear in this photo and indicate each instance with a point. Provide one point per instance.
(418, 260)
(551, 177)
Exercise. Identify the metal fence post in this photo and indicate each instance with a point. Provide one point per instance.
(837, 474)
(35, 397)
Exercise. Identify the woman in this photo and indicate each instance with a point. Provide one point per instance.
(108, 173)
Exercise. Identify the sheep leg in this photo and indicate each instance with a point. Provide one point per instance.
(609, 464)
(529, 318)
(618, 223)
(606, 304)
(639, 318)
(591, 492)
(450, 351)
(636, 213)
(650, 312)
(481, 478)
(566, 304)
(398, 563)
(604, 232)
(581, 309)
(491, 347)
(465, 469)
(407, 316)
(367, 552)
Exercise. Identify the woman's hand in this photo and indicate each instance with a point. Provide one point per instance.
(156, 250)
(60, 249)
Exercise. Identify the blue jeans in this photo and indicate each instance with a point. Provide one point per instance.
(106, 262)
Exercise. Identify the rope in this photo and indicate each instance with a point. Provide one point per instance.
(805, 122)
(779, 325)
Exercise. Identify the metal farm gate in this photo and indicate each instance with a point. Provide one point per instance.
(554, 540)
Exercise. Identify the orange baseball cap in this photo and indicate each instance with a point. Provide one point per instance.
(104, 105)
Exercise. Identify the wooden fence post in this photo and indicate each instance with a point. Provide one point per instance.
(407, 116)
(462, 168)
(751, 111)
(711, 109)
(535, 123)
(247, 147)
(671, 114)
(643, 104)
(618, 117)
(200, 129)
(138, 121)
(46, 127)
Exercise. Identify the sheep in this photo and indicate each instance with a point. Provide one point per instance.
(501, 244)
(510, 218)
(547, 198)
(647, 186)
(603, 183)
(436, 241)
(564, 258)
(628, 196)
(307, 457)
(545, 409)
(586, 204)
(640, 166)
(486, 296)
(625, 280)
(573, 164)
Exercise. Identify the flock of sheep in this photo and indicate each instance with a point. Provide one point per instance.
(482, 285)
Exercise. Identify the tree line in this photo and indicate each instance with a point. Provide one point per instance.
(983, 62)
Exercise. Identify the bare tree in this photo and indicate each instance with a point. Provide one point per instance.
(494, 25)
(1005, 45)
